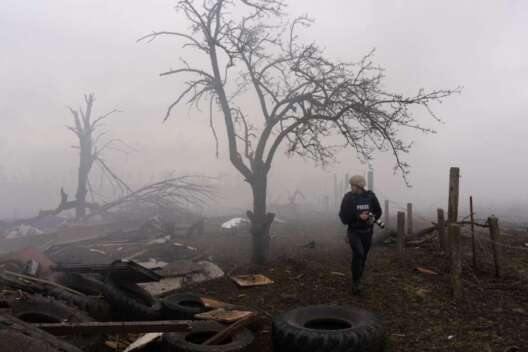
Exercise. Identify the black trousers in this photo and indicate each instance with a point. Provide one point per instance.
(360, 242)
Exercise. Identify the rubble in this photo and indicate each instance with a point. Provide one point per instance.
(123, 296)
(23, 231)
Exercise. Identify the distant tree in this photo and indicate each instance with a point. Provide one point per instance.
(88, 131)
(302, 95)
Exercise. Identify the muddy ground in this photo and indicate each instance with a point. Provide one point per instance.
(417, 308)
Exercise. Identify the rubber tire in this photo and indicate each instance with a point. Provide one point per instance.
(176, 307)
(364, 334)
(177, 341)
(89, 285)
(18, 336)
(131, 302)
(96, 307)
(50, 310)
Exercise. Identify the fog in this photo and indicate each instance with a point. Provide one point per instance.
(52, 52)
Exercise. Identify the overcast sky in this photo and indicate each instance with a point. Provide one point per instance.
(52, 52)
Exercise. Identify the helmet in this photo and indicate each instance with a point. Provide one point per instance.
(358, 180)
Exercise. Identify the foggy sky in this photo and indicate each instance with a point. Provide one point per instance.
(52, 52)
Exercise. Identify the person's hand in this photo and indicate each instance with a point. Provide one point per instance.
(364, 216)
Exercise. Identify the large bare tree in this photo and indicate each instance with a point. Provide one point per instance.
(303, 96)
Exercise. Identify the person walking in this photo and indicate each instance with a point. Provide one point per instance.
(359, 209)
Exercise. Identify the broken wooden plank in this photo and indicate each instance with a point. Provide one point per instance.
(133, 327)
(426, 271)
(143, 341)
(127, 271)
(42, 282)
(213, 303)
(251, 280)
(224, 315)
(230, 330)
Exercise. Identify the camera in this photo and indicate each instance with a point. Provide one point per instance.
(372, 220)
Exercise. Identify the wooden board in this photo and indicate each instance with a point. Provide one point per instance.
(115, 327)
(251, 280)
(224, 315)
(213, 303)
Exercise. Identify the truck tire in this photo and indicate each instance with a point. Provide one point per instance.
(18, 336)
(89, 285)
(191, 341)
(182, 306)
(96, 307)
(327, 328)
(39, 309)
(130, 301)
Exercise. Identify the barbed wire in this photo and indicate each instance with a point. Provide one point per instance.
(504, 244)
(479, 222)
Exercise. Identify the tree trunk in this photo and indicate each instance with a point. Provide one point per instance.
(260, 220)
(85, 163)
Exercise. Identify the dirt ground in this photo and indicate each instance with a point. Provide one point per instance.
(418, 312)
(417, 308)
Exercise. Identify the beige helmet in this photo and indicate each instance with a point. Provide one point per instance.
(358, 180)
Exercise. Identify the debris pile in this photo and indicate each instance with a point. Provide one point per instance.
(117, 292)
(23, 231)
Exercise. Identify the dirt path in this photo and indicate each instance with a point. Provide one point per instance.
(418, 312)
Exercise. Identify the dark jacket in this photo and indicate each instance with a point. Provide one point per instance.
(353, 205)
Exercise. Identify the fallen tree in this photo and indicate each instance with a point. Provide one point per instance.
(172, 193)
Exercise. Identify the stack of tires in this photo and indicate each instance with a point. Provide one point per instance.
(322, 328)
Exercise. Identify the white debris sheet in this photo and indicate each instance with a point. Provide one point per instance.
(153, 263)
(160, 240)
(234, 223)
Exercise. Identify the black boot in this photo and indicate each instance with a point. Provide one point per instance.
(356, 288)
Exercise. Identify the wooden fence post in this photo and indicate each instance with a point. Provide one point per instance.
(441, 230)
(493, 223)
(387, 214)
(336, 192)
(455, 249)
(410, 229)
(473, 245)
(452, 210)
(401, 231)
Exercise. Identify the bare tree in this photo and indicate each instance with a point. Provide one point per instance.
(87, 130)
(303, 96)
